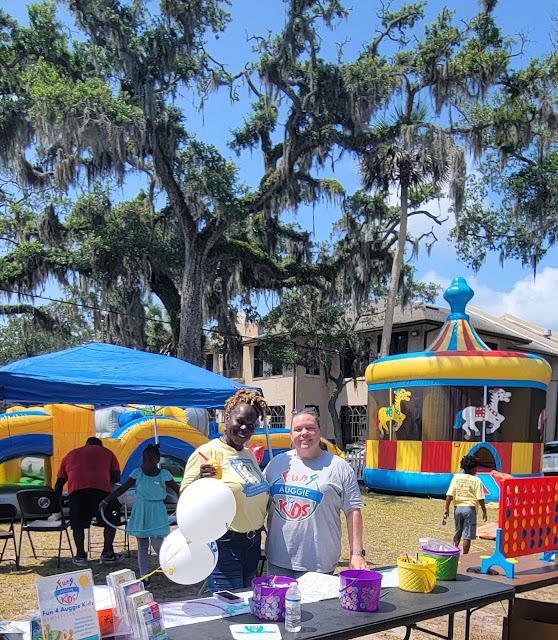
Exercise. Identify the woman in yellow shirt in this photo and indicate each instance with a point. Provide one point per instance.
(240, 547)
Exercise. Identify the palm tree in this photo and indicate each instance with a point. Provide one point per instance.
(419, 159)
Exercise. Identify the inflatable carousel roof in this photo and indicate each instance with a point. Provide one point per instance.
(457, 356)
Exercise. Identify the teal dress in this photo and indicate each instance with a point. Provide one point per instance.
(149, 513)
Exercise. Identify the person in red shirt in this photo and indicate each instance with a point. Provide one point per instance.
(89, 471)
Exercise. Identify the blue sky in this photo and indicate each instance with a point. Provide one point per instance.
(510, 288)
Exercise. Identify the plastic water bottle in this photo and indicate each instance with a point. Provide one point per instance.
(292, 608)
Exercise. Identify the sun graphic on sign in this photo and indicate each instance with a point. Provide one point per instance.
(83, 581)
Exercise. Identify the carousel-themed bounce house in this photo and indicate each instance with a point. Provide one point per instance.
(429, 409)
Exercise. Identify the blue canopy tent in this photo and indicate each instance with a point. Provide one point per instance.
(105, 374)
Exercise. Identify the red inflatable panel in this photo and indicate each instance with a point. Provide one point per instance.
(436, 457)
(387, 454)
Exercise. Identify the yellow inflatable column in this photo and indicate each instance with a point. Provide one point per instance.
(72, 426)
(10, 472)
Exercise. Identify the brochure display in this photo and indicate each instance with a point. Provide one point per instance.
(67, 606)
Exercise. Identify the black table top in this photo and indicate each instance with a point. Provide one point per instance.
(326, 619)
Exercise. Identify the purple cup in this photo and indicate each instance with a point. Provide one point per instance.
(268, 601)
(360, 589)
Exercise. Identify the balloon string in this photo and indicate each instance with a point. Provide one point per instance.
(160, 569)
(131, 532)
(148, 575)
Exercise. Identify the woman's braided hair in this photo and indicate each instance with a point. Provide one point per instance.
(247, 396)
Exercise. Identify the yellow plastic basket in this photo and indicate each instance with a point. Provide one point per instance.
(419, 578)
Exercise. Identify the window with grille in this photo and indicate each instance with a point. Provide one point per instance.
(354, 423)
(277, 417)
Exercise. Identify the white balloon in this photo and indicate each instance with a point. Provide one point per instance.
(187, 563)
(205, 510)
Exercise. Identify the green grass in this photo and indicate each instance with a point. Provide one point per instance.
(392, 526)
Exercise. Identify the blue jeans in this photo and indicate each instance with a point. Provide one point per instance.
(238, 561)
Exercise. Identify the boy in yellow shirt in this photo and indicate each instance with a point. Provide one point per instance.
(467, 492)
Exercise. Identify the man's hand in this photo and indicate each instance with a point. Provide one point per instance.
(484, 516)
(358, 563)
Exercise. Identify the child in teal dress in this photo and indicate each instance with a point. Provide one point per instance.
(148, 520)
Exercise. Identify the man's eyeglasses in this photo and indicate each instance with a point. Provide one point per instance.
(304, 410)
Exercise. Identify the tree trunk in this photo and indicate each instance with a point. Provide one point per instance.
(395, 270)
(189, 341)
(164, 288)
(331, 405)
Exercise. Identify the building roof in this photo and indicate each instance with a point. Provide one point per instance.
(523, 335)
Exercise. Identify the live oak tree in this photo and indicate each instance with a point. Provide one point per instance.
(31, 330)
(511, 206)
(73, 112)
(108, 103)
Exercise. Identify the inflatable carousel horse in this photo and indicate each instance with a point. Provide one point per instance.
(489, 414)
(393, 412)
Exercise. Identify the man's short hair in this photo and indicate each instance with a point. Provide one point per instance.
(95, 441)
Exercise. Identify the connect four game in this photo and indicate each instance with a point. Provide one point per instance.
(528, 521)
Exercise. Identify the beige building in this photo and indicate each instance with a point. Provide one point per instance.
(414, 328)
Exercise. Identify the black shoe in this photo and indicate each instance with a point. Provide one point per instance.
(80, 561)
(111, 558)
(146, 582)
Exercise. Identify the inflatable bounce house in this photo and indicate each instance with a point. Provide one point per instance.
(34, 441)
(429, 409)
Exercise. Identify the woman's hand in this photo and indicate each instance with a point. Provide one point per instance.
(207, 471)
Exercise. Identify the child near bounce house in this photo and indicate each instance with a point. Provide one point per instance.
(148, 521)
(466, 490)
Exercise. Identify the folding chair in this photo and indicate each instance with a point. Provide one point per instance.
(8, 513)
(37, 506)
(125, 543)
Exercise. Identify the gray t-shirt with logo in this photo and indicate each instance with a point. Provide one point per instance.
(304, 521)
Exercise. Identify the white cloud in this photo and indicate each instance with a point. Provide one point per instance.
(532, 299)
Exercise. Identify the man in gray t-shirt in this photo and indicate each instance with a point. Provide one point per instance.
(309, 490)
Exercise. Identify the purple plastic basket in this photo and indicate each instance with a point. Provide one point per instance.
(360, 589)
(268, 601)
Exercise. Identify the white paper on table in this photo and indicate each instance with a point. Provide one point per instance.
(176, 614)
(17, 626)
(390, 577)
(264, 631)
(318, 586)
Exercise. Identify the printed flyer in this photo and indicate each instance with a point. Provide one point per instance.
(67, 606)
